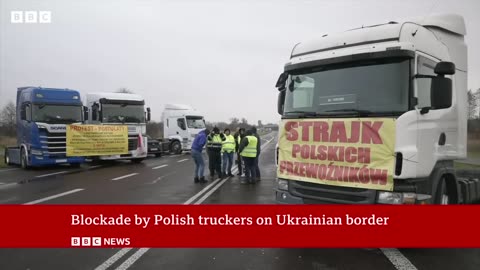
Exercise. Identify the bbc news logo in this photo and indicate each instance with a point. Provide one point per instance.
(31, 17)
(98, 241)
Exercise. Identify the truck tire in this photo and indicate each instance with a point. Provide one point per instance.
(23, 159)
(176, 147)
(442, 197)
(6, 157)
(137, 160)
(158, 154)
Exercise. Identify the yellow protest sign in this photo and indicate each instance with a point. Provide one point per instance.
(353, 152)
(96, 140)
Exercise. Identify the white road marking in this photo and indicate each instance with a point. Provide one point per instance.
(50, 174)
(398, 259)
(132, 259)
(54, 196)
(8, 170)
(211, 191)
(214, 185)
(182, 160)
(113, 259)
(5, 186)
(158, 167)
(124, 176)
(93, 167)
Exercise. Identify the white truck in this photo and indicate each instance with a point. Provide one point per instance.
(410, 74)
(181, 123)
(121, 109)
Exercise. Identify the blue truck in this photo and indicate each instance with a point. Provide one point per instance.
(42, 116)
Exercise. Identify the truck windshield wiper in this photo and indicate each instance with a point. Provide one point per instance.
(307, 113)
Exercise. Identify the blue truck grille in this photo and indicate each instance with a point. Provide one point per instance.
(325, 194)
(53, 144)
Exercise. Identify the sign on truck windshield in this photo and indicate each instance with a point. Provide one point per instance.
(123, 113)
(374, 86)
(56, 114)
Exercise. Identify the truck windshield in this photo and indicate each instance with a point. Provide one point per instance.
(373, 87)
(195, 122)
(123, 113)
(56, 114)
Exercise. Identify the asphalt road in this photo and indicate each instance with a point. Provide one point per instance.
(168, 180)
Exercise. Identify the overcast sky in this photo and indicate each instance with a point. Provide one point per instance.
(212, 55)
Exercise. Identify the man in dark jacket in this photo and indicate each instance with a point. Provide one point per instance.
(239, 135)
(257, 168)
(248, 151)
(197, 148)
(214, 148)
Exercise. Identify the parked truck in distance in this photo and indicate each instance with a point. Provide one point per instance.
(181, 123)
(339, 93)
(42, 115)
(121, 109)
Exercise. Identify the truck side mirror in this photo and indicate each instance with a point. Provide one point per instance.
(280, 101)
(444, 68)
(441, 93)
(282, 79)
(149, 114)
(85, 113)
(23, 113)
(95, 108)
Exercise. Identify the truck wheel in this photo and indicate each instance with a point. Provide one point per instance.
(176, 147)
(442, 196)
(158, 155)
(6, 157)
(24, 159)
(137, 160)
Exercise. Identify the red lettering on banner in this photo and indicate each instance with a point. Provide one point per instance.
(295, 150)
(292, 134)
(338, 133)
(306, 130)
(320, 131)
(354, 132)
(350, 154)
(370, 132)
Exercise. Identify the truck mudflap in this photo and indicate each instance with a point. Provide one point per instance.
(470, 190)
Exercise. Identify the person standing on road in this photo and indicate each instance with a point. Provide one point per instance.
(248, 151)
(197, 148)
(239, 135)
(228, 148)
(214, 148)
(257, 168)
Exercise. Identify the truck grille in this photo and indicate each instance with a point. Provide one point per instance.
(53, 144)
(132, 143)
(325, 194)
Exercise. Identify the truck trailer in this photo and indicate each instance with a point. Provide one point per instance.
(41, 118)
(181, 123)
(376, 115)
(121, 109)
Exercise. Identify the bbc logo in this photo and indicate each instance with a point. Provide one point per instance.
(31, 17)
(86, 241)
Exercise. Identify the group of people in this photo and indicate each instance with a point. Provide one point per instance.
(221, 148)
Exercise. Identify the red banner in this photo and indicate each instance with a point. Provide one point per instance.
(238, 226)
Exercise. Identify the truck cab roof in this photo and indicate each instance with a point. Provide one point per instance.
(48, 95)
(427, 34)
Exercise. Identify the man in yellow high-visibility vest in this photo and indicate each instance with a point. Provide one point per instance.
(228, 148)
(248, 151)
(214, 148)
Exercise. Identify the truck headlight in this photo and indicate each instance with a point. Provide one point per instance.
(385, 197)
(36, 152)
(282, 184)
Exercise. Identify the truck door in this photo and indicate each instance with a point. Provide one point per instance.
(182, 129)
(25, 123)
(433, 124)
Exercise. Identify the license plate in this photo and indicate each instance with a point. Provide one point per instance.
(60, 160)
(154, 149)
